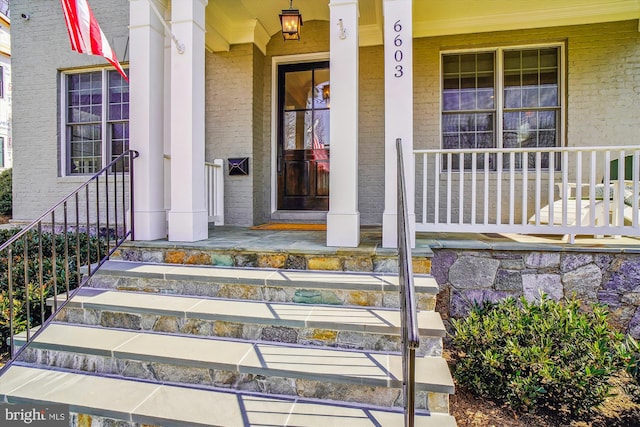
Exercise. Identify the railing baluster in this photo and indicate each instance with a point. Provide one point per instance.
(436, 190)
(550, 187)
(115, 205)
(461, 189)
(499, 189)
(486, 188)
(565, 188)
(88, 230)
(78, 263)
(98, 218)
(634, 203)
(40, 271)
(525, 187)
(54, 268)
(474, 183)
(66, 249)
(592, 190)
(10, 295)
(106, 209)
(449, 173)
(25, 261)
(578, 189)
(425, 172)
(512, 187)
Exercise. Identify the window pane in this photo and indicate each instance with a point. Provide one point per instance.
(118, 97)
(298, 90)
(85, 146)
(294, 130)
(534, 82)
(322, 86)
(321, 129)
(468, 131)
(84, 98)
(468, 82)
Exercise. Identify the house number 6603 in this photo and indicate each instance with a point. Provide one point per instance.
(397, 54)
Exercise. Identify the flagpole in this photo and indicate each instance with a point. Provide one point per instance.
(179, 46)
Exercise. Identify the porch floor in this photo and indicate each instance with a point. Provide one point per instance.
(313, 242)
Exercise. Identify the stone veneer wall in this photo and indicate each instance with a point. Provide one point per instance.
(609, 278)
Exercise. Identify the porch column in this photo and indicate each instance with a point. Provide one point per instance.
(343, 219)
(146, 107)
(188, 215)
(398, 111)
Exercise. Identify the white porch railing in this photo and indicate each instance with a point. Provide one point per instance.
(214, 190)
(529, 190)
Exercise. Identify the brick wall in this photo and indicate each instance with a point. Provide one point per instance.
(43, 46)
(230, 125)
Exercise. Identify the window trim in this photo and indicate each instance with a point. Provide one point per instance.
(499, 85)
(65, 161)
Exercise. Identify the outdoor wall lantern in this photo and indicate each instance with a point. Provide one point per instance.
(291, 21)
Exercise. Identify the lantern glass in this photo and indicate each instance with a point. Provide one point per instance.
(291, 21)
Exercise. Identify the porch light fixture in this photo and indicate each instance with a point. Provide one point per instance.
(291, 21)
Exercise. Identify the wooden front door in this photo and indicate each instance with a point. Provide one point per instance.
(303, 136)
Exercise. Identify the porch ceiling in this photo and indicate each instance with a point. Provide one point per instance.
(231, 22)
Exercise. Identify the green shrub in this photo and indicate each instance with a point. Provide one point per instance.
(87, 244)
(6, 195)
(543, 356)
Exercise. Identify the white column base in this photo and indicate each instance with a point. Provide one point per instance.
(343, 230)
(390, 230)
(150, 225)
(188, 226)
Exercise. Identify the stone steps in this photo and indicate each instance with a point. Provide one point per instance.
(360, 376)
(329, 339)
(356, 327)
(298, 286)
(132, 403)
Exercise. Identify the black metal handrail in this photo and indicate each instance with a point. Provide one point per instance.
(408, 306)
(88, 235)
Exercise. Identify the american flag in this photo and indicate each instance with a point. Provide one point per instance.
(85, 34)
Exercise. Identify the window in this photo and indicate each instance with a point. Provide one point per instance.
(1, 82)
(503, 98)
(96, 127)
(1, 151)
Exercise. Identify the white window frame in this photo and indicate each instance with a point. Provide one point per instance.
(499, 86)
(104, 123)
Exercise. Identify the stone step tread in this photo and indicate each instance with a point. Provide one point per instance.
(158, 404)
(266, 277)
(351, 318)
(259, 358)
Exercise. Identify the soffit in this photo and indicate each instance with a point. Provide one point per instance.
(241, 21)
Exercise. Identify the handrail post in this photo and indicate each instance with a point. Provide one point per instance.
(131, 198)
(408, 310)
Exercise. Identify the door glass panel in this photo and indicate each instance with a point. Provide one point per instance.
(293, 130)
(297, 90)
(321, 129)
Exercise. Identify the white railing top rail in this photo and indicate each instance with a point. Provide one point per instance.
(527, 149)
